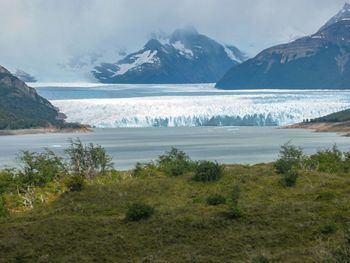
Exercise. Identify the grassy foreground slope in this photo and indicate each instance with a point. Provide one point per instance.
(303, 223)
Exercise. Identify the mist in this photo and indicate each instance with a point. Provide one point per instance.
(43, 36)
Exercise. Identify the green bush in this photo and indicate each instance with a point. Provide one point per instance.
(260, 259)
(88, 160)
(3, 209)
(234, 212)
(145, 170)
(236, 193)
(174, 162)
(75, 183)
(327, 161)
(8, 181)
(216, 199)
(291, 158)
(207, 171)
(139, 211)
(329, 228)
(40, 168)
(326, 196)
(290, 178)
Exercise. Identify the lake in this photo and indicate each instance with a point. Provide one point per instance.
(127, 146)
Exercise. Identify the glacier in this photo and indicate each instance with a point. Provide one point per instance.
(234, 109)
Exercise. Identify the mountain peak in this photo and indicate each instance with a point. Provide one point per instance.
(343, 14)
(4, 70)
(185, 56)
(185, 31)
(346, 6)
(153, 44)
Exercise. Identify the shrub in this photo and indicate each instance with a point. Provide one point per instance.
(8, 181)
(236, 193)
(75, 183)
(291, 157)
(329, 228)
(216, 199)
(207, 171)
(326, 196)
(145, 170)
(88, 160)
(347, 162)
(233, 212)
(174, 162)
(260, 259)
(3, 209)
(290, 178)
(40, 168)
(139, 211)
(328, 161)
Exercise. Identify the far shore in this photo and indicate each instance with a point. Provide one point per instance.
(339, 127)
(45, 130)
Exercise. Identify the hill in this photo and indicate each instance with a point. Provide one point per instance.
(21, 107)
(304, 223)
(335, 122)
(340, 116)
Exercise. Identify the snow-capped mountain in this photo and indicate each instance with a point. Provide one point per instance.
(318, 61)
(343, 14)
(183, 57)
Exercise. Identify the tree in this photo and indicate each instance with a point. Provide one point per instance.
(174, 162)
(207, 171)
(40, 168)
(291, 157)
(88, 160)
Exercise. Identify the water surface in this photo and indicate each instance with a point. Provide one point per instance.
(248, 145)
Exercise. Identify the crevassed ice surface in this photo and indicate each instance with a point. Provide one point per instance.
(108, 106)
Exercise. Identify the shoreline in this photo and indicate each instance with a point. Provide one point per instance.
(45, 131)
(338, 127)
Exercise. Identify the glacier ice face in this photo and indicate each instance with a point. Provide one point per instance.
(236, 109)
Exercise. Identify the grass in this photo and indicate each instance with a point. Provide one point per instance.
(284, 224)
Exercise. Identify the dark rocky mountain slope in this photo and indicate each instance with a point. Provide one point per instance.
(21, 107)
(319, 61)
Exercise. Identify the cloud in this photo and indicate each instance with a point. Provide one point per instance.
(37, 35)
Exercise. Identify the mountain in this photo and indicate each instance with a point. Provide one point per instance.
(24, 76)
(343, 14)
(21, 107)
(184, 57)
(319, 61)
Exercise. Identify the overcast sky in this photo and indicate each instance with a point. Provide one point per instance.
(36, 35)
